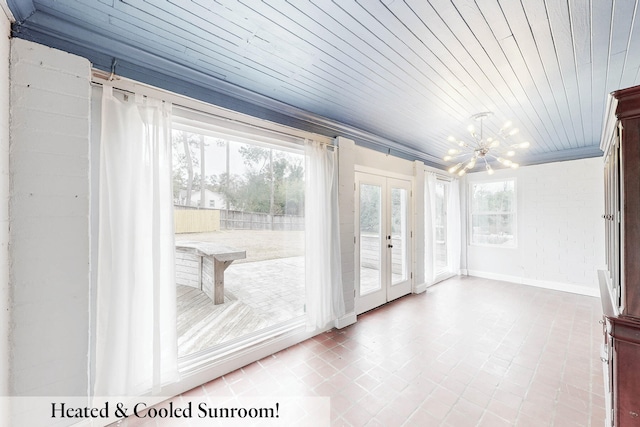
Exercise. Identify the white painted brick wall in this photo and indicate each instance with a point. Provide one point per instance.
(346, 178)
(5, 295)
(560, 232)
(49, 153)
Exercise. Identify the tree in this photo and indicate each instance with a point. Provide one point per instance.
(230, 188)
(184, 145)
(273, 182)
(369, 208)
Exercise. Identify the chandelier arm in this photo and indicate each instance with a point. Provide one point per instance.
(497, 152)
(467, 153)
(499, 147)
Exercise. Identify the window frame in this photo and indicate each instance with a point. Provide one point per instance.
(513, 213)
(199, 123)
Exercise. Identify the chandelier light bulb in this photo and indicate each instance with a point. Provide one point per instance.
(452, 169)
(485, 147)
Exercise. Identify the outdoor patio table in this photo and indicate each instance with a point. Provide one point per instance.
(214, 260)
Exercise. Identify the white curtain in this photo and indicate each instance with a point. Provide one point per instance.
(323, 272)
(136, 346)
(430, 228)
(454, 233)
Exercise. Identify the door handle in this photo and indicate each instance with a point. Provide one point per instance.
(389, 246)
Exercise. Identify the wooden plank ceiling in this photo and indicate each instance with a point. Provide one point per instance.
(409, 73)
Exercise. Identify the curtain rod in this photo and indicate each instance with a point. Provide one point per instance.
(101, 78)
(251, 125)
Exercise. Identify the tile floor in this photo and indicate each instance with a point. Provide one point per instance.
(469, 352)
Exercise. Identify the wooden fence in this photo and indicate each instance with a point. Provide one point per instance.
(239, 220)
(190, 219)
(196, 220)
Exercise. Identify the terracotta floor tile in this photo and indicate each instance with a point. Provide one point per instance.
(460, 419)
(525, 420)
(512, 400)
(491, 420)
(326, 388)
(567, 416)
(476, 396)
(372, 403)
(421, 418)
(468, 408)
(537, 410)
(436, 408)
(502, 410)
(469, 351)
(353, 391)
(341, 404)
(357, 416)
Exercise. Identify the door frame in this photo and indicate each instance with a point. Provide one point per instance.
(388, 291)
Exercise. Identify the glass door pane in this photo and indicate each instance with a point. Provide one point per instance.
(370, 238)
(398, 238)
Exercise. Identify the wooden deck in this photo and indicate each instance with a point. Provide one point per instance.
(257, 295)
(201, 324)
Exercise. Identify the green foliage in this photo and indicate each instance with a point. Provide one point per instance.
(493, 197)
(272, 181)
(492, 214)
(369, 208)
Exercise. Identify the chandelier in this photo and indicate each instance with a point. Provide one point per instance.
(483, 149)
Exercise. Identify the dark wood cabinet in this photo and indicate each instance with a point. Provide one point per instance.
(620, 282)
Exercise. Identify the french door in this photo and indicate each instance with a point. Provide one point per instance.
(383, 240)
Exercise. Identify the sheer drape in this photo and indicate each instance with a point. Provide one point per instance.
(324, 299)
(430, 228)
(454, 233)
(136, 346)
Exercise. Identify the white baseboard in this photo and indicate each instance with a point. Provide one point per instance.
(422, 287)
(346, 320)
(556, 286)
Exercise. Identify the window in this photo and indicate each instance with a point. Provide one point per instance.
(259, 186)
(442, 198)
(493, 213)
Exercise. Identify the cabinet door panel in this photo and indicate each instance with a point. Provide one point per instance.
(630, 205)
(627, 383)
